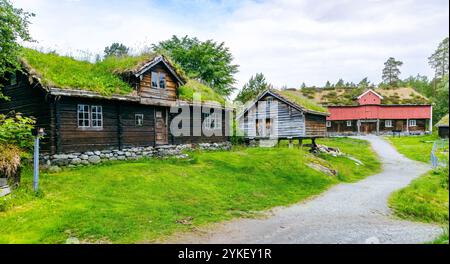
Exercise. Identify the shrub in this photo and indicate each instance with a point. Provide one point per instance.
(16, 130)
(10, 163)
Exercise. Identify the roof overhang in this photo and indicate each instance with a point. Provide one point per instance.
(370, 91)
(155, 61)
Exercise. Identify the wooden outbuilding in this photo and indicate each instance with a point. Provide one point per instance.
(442, 126)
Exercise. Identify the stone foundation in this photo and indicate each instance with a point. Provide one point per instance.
(53, 162)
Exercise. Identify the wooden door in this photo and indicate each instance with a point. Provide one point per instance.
(368, 128)
(161, 127)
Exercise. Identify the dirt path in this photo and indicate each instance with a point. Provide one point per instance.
(347, 213)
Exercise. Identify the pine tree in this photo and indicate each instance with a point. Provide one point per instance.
(439, 59)
(253, 88)
(391, 72)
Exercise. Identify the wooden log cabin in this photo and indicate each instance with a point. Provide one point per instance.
(283, 114)
(78, 118)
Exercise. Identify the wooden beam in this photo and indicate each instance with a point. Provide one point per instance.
(58, 126)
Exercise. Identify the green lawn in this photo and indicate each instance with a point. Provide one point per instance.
(146, 200)
(426, 199)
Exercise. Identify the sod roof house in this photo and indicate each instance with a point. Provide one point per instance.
(282, 114)
(442, 126)
(378, 110)
(112, 104)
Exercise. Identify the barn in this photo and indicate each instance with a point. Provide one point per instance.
(119, 103)
(282, 114)
(442, 126)
(374, 111)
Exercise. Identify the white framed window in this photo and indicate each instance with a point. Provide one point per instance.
(13, 79)
(139, 120)
(213, 121)
(158, 80)
(328, 123)
(83, 116)
(412, 122)
(97, 116)
(388, 123)
(349, 123)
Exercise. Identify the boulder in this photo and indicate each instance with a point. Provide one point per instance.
(75, 161)
(54, 169)
(94, 159)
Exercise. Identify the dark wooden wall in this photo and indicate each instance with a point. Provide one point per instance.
(169, 93)
(31, 101)
(315, 125)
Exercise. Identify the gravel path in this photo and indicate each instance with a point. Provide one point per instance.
(346, 213)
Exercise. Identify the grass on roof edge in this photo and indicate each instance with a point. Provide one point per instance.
(186, 92)
(304, 102)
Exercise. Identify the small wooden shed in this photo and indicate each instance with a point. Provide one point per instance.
(283, 114)
(442, 126)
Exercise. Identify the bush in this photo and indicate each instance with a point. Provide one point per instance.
(10, 163)
(16, 130)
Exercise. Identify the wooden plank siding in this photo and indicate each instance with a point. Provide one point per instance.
(315, 125)
(146, 89)
(31, 101)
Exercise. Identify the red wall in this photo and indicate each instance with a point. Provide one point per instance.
(369, 99)
(379, 112)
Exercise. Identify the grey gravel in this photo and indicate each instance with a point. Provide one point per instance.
(346, 213)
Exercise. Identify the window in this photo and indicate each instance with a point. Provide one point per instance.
(349, 123)
(139, 120)
(269, 102)
(328, 123)
(13, 79)
(213, 121)
(83, 116)
(90, 116)
(388, 123)
(97, 116)
(158, 80)
(412, 123)
(162, 80)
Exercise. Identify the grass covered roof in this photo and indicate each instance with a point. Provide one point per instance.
(347, 96)
(296, 97)
(105, 77)
(443, 121)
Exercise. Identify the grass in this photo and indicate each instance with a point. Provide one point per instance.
(426, 199)
(297, 98)
(443, 121)
(186, 92)
(414, 147)
(146, 200)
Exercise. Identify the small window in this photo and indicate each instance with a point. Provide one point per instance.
(154, 80)
(162, 80)
(13, 79)
(388, 123)
(139, 120)
(213, 121)
(328, 123)
(83, 116)
(412, 123)
(97, 116)
(349, 123)
(158, 114)
(269, 102)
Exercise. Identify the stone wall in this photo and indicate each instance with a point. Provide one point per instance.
(95, 157)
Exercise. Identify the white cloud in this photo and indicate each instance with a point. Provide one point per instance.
(289, 41)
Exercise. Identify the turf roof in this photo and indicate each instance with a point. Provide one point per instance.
(296, 97)
(104, 77)
(347, 96)
(443, 121)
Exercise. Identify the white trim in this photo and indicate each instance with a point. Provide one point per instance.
(412, 122)
(372, 91)
(328, 123)
(136, 118)
(388, 123)
(83, 112)
(348, 123)
(97, 112)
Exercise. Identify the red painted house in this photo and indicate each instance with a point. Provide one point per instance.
(371, 115)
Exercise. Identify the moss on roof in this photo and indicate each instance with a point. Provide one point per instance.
(443, 121)
(347, 96)
(296, 97)
(186, 92)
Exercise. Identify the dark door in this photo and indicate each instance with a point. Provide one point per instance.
(161, 127)
(368, 127)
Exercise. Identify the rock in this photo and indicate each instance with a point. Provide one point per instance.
(75, 161)
(128, 154)
(97, 153)
(60, 156)
(89, 153)
(94, 159)
(121, 158)
(5, 190)
(72, 240)
(54, 169)
(84, 157)
(60, 162)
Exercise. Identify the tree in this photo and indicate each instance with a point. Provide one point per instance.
(303, 85)
(391, 72)
(420, 83)
(364, 83)
(328, 84)
(13, 27)
(116, 50)
(208, 61)
(252, 88)
(340, 83)
(440, 108)
(439, 59)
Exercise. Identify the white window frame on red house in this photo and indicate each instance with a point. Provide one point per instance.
(328, 123)
(412, 123)
(349, 123)
(388, 123)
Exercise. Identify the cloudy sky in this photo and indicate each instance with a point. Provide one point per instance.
(290, 41)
